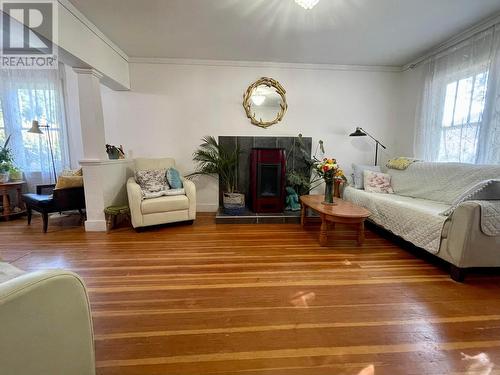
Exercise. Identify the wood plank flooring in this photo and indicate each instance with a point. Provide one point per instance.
(265, 299)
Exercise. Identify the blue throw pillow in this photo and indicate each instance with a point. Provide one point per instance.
(174, 178)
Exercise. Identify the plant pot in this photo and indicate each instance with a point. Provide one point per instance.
(234, 203)
(16, 176)
(4, 177)
(114, 155)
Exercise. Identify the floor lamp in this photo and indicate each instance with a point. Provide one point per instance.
(360, 132)
(35, 129)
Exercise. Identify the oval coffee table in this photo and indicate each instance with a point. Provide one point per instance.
(342, 212)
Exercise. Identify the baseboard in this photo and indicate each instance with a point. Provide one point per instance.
(207, 207)
(95, 226)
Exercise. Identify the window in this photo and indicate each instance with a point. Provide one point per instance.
(40, 104)
(34, 95)
(462, 117)
(2, 128)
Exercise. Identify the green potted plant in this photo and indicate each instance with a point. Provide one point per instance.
(15, 174)
(214, 159)
(5, 161)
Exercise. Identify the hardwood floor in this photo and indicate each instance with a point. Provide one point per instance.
(265, 299)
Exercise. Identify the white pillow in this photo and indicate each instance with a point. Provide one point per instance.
(357, 173)
(152, 180)
(172, 192)
(377, 182)
(167, 192)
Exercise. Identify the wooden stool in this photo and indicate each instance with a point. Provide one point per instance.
(112, 212)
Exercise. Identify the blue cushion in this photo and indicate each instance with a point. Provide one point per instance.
(174, 179)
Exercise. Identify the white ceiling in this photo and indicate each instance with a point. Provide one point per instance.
(358, 32)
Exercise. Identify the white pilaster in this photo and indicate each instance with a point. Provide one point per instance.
(93, 142)
(105, 185)
(91, 114)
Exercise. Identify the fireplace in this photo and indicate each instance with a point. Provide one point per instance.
(294, 161)
(267, 180)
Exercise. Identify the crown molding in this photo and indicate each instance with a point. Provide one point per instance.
(89, 71)
(464, 35)
(262, 64)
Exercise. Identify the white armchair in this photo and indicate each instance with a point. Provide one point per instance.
(46, 323)
(162, 210)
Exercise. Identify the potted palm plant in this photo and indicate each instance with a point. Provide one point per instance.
(5, 161)
(213, 159)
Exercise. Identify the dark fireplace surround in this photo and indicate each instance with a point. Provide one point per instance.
(261, 173)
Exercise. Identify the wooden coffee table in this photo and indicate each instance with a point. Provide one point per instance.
(342, 212)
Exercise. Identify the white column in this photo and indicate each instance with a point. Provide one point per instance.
(91, 114)
(93, 142)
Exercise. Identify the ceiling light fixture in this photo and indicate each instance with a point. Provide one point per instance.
(307, 4)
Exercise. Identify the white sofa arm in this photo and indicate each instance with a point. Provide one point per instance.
(134, 201)
(467, 246)
(190, 189)
(46, 325)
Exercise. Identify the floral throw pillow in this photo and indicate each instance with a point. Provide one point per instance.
(152, 180)
(377, 182)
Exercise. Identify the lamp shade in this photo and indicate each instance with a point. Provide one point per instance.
(358, 133)
(35, 128)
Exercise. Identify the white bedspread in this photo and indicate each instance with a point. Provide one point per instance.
(414, 219)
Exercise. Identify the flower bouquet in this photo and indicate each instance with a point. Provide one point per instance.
(329, 171)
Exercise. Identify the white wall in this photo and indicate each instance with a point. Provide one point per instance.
(171, 106)
(411, 88)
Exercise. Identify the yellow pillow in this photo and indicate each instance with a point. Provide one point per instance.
(67, 182)
(72, 172)
(400, 163)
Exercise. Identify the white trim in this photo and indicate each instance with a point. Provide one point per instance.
(97, 162)
(262, 64)
(93, 28)
(95, 226)
(207, 207)
(91, 71)
(464, 35)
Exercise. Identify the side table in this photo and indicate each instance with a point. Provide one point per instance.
(5, 188)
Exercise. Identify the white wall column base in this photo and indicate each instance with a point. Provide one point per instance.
(105, 185)
(95, 226)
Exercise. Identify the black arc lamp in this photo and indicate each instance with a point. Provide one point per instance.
(36, 129)
(360, 132)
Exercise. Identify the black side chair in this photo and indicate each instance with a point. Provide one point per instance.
(48, 200)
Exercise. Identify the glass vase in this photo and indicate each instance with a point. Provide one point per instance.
(328, 192)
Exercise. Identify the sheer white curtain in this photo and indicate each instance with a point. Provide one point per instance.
(27, 95)
(460, 109)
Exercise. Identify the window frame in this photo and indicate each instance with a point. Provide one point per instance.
(477, 125)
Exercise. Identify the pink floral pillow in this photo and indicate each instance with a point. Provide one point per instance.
(377, 182)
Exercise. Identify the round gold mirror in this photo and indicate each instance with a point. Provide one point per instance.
(265, 102)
